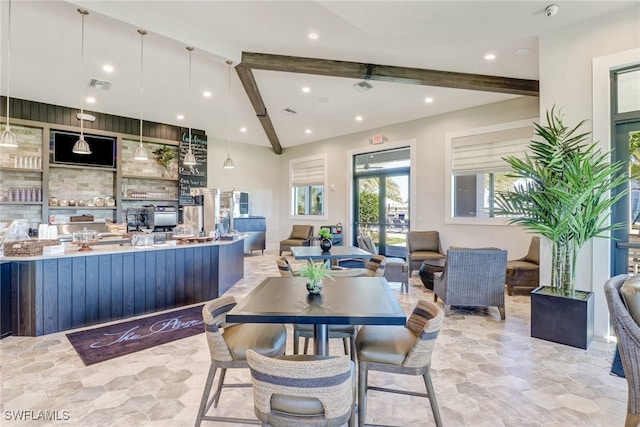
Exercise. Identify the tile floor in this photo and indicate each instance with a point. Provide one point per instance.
(486, 372)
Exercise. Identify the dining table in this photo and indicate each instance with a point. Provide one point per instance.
(335, 253)
(343, 301)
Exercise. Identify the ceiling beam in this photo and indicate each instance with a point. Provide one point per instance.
(326, 67)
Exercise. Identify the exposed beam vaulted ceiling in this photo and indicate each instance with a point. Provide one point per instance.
(415, 76)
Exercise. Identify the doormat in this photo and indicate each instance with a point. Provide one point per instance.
(107, 342)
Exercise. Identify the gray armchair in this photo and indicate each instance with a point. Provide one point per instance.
(623, 300)
(300, 236)
(421, 246)
(525, 272)
(472, 277)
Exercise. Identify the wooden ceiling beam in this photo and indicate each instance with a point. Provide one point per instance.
(325, 67)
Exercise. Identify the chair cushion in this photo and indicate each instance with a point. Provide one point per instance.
(301, 232)
(292, 242)
(266, 339)
(384, 344)
(423, 255)
(522, 265)
(630, 292)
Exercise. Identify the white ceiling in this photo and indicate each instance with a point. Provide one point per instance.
(440, 35)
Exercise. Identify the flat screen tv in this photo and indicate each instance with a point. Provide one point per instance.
(103, 149)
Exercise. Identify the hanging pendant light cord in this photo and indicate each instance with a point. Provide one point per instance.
(190, 49)
(228, 108)
(142, 33)
(83, 13)
(8, 61)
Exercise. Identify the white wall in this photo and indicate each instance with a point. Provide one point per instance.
(566, 80)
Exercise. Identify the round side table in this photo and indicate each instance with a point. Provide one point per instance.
(427, 269)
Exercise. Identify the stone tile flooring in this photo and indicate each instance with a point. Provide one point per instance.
(486, 372)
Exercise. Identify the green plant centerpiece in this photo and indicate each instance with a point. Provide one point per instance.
(315, 272)
(565, 192)
(164, 155)
(325, 239)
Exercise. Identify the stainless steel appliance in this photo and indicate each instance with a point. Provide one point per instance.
(234, 204)
(204, 216)
(161, 218)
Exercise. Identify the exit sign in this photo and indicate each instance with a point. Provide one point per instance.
(378, 139)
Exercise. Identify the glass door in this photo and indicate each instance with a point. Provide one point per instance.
(381, 199)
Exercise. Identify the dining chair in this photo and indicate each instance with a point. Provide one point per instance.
(303, 390)
(375, 266)
(623, 300)
(228, 345)
(402, 350)
(285, 268)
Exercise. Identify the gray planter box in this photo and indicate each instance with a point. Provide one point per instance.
(561, 319)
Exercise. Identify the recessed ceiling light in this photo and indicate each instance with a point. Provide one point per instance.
(523, 51)
(206, 94)
(428, 100)
(307, 131)
(490, 57)
(306, 89)
(91, 100)
(358, 118)
(243, 129)
(180, 117)
(313, 36)
(107, 68)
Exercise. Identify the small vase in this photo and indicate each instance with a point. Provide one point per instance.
(325, 245)
(314, 287)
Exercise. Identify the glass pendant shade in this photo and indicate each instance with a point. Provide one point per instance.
(189, 158)
(81, 146)
(228, 163)
(8, 138)
(141, 153)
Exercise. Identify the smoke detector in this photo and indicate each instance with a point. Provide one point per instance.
(289, 112)
(552, 10)
(100, 84)
(363, 86)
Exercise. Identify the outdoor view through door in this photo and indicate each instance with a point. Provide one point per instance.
(381, 199)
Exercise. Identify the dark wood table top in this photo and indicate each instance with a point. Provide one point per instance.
(336, 252)
(345, 301)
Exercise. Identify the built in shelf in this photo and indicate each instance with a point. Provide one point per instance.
(4, 202)
(84, 208)
(159, 178)
(21, 170)
(147, 199)
(81, 167)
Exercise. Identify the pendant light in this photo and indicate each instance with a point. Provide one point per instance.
(189, 158)
(8, 138)
(141, 152)
(228, 163)
(81, 146)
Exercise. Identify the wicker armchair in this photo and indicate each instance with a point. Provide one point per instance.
(472, 277)
(627, 328)
(302, 390)
(525, 272)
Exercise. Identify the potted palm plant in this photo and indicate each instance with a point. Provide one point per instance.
(565, 190)
(315, 272)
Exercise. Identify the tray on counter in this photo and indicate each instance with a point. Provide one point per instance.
(29, 247)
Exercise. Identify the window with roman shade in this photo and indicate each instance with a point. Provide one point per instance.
(307, 178)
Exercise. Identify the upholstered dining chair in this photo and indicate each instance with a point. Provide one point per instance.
(299, 390)
(472, 277)
(300, 236)
(395, 269)
(623, 300)
(421, 246)
(228, 345)
(403, 350)
(375, 266)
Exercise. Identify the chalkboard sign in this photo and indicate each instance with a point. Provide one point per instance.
(192, 176)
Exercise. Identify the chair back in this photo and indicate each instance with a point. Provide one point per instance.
(301, 232)
(471, 267)
(375, 265)
(425, 321)
(284, 267)
(366, 243)
(423, 241)
(533, 255)
(327, 379)
(628, 334)
(214, 314)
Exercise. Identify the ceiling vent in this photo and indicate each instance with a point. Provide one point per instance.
(363, 86)
(100, 84)
(289, 112)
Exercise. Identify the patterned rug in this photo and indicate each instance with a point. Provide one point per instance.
(106, 342)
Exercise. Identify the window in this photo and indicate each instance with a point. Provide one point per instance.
(476, 168)
(307, 181)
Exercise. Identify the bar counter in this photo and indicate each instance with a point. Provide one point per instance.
(53, 293)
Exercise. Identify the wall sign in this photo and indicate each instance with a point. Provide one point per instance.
(192, 176)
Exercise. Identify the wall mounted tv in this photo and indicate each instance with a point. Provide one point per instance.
(103, 149)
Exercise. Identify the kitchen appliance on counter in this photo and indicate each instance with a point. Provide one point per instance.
(161, 218)
(204, 216)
